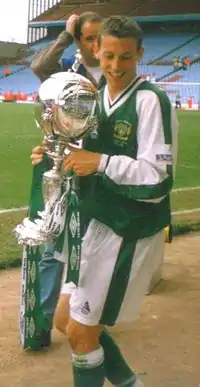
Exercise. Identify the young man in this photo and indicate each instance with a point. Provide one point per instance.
(83, 31)
(127, 171)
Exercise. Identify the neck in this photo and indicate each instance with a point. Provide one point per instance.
(114, 92)
(91, 62)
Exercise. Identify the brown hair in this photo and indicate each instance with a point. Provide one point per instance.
(121, 27)
(85, 17)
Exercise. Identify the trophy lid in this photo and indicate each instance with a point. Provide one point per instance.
(66, 105)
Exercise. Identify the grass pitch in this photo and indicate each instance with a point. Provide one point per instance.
(19, 134)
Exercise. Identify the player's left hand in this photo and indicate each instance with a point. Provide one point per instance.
(81, 161)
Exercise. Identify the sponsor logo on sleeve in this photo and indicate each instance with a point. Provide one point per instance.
(164, 158)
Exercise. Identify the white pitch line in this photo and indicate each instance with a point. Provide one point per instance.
(183, 212)
(176, 190)
(183, 189)
(13, 210)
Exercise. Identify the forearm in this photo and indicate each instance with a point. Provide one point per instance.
(46, 62)
(136, 179)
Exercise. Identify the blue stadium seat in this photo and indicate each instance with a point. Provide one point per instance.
(155, 45)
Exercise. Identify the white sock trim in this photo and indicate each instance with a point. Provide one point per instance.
(89, 360)
(128, 381)
(136, 382)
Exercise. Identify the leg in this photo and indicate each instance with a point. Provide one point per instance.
(113, 359)
(61, 315)
(87, 354)
(101, 249)
(50, 274)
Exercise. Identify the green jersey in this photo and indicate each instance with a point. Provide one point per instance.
(137, 138)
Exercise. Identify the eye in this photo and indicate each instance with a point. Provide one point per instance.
(126, 57)
(91, 38)
(108, 55)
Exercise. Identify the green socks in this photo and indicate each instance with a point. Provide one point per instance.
(88, 370)
(117, 370)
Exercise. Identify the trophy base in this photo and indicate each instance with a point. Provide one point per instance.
(31, 233)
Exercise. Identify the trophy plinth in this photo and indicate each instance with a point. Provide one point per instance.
(65, 111)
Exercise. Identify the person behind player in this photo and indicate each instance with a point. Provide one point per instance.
(81, 30)
(127, 170)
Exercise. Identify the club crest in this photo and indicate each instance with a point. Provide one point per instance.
(122, 131)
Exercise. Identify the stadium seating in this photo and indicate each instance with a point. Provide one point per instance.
(40, 45)
(156, 45)
(192, 49)
(23, 80)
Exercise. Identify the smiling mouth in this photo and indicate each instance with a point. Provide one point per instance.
(116, 75)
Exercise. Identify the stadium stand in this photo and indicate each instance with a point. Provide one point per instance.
(165, 38)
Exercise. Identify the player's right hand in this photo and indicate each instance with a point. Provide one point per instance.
(70, 24)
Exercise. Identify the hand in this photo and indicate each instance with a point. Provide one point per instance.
(70, 24)
(82, 162)
(38, 152)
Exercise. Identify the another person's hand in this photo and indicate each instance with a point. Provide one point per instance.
(70, 24)
(82, 162)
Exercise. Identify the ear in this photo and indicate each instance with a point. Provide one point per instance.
(140, 53)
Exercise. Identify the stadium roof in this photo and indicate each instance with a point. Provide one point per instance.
(135, 8)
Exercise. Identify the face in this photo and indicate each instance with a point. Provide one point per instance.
(87, 42)
(118, 59)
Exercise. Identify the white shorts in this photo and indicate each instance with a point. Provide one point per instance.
(114, 276)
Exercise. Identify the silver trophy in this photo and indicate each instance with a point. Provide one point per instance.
(66, 112)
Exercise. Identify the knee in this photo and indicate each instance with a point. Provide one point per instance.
(61, 315)
(83, 339)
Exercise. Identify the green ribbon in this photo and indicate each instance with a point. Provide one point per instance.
(32, 320)
(31, 317)
(73, 234)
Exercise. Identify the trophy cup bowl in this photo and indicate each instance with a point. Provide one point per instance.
(65, 111)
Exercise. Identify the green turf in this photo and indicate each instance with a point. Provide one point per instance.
(18, 134)
(188, 169)
(10, 251)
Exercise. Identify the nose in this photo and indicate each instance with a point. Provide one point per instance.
(116, 64)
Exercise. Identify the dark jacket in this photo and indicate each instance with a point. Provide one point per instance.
(48, 61)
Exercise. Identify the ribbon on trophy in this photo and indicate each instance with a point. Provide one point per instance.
(65, 216)
(73, 217)
(66, 113)
(31, 317)
(71, 231)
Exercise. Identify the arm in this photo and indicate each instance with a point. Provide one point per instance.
(150, 176)
(47, 61)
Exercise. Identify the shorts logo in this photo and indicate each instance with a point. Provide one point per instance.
(86, 308)
(122, 131)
